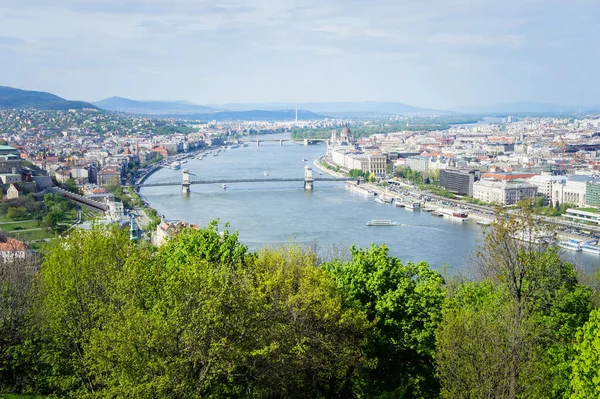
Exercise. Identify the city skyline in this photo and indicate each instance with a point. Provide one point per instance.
(435, 55)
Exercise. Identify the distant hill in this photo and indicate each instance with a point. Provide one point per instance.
(366, 108)
(524, 107)
(17, 98)
(152, 107)
(253, 115)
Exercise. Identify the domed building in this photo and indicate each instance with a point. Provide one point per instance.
(346, 135)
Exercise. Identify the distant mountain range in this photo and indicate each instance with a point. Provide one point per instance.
(255, 115)
(121, 104)
(266, 110)
(17, 98)
(525, 107)
(365, 108)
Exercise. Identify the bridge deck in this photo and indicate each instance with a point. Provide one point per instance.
(226, 181)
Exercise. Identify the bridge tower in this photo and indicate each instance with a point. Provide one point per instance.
(185, 182)
(308, 178)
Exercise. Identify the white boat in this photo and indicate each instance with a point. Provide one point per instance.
(265, 173)
(412, 206)
(591, 248)
(382, 223)
(304, 159)
(572, 245)
(457, 215)
(483, 222)
(359, 189)
(224, 186)
(175, 165)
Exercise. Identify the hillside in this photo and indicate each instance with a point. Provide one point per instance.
(11, 97)
(525, 107)
(254, 115)
(364, 108)
(122, 104)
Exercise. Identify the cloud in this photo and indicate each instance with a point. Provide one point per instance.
(11, 41)
(512, 41)
(245, 50)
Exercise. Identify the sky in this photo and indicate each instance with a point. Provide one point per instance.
(429, 53)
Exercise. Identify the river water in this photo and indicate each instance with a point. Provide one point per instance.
(271, 214)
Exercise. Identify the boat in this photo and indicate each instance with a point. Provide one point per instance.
(591, 248)
(400, 204)
(265, 173)
(175, 165)
(436, 213)
(224, 186)
(383, 199)
(379, 200)
(304, 159)
(382, 223)
(483, 222)
(415, 206)
(215, 154)
(358, 189)
(572, 245)
(452, 214)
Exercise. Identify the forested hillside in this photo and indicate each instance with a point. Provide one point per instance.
(201, 316)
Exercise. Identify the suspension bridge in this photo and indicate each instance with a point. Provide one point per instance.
(187, 179)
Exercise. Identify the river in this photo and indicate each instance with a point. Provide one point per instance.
(330, 217)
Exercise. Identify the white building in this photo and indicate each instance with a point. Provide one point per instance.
(545, 185)
(572, 190)
(418, 163)
(502, 192)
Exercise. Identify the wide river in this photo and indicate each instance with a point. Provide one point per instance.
(329, 217)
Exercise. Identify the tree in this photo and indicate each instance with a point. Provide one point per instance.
(585, 376)
(199, 324)
(546, 303)
(16, 281)
(17, 213)
(473, 340)
(404, 303)
(73, 299)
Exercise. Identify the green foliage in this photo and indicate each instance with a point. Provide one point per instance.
(17, 213)
(585, 376)
(473, 341)
(404, 301)
(546, 305)
(199, 318)
(16, 280)
(74, 299)
(71, 185)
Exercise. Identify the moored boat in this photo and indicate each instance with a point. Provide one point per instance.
(572, 245)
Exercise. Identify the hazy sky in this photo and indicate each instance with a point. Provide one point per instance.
(431, 53)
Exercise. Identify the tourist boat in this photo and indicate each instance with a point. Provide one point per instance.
(382, 223)
(591, 248)
(224, 186)
(572, 245)
(452, 214)
(175, 165)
